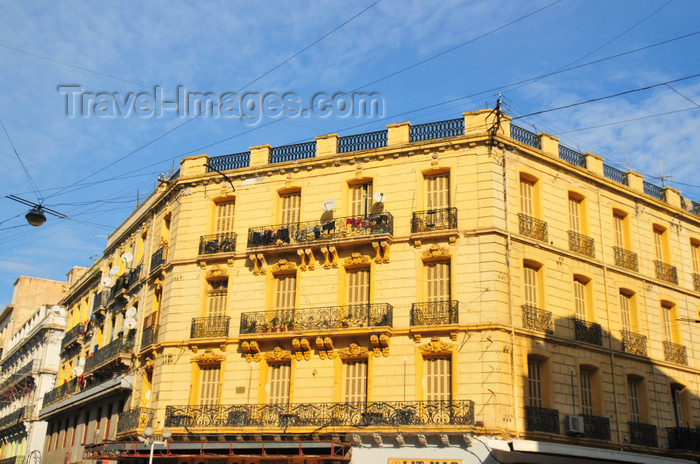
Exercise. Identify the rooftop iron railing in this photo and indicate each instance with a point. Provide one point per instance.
(524, 136)
(366, 141)
(436, 130)
(293, 152)
(314, 231)
(320, 318)
(542, 419)
(572, 156)
(615, 174)
(227, 162)
(654, 191)
(435, 313)
(356, 414)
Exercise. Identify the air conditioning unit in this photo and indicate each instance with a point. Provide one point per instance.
(574, 425)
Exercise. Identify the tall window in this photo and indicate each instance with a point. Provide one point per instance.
(677, 402)
(526, 197)
(438, 191)
(580, 298)
(625, 311)
(358, 286)
(280, 379)
(355, 381)
(666, 321)
(586, 377)
(438, 376)
(217, 293)
(694, 252)
(633, 388)
(209, 384)
(659, 244)
(574, 214)
(361, 199)
(619, 230)
(285, 291)
(530, 286)
(224, 217)
(290, 208)
(438, 281)
(534, 380)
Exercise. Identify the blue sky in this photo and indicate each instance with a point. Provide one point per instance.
(81, 167)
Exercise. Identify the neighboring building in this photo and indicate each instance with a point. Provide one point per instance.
(457, 291)
(28, 367)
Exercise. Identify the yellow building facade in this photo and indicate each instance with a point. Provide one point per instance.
(463, 291)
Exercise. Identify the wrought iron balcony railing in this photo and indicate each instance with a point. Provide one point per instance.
(589, 332)
(210, 327)
(435, 313)
(19, 375)
(666, 272)
(542, 419)
(217, 243)
(318, 415)
(625, 258)
(117, 348)
(315, 231)
(12, 418)
(675, 353)
(434, 219)
(524, 136)
(158, 258)
(366, 141)
(643, 434)
(13, 460)
(134, 275)
(74, 335)
(634, 343)
(580, 243)
(537, 319)
(121, 283)
(60, 392)
(100, 301)
(149, 336)
(436, 130)
(596, 427)
(696, 282)
(533, 227)
(135, 419)
(683, 438)
(324, 318)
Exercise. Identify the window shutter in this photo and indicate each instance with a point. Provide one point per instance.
(438, 281)
(286, 292)
(438, 379)
(356, 381)
(358, 286)
(291, 205)
(209, 385)
(534, 382)
(586, 393)
(633, 389)
(280, 376)
(580, 299)
(625, 311)
(361, 199)
(438, 191)
(224, 217)
(618, 225)
(530, 275)
(526, 188)
(574, 214)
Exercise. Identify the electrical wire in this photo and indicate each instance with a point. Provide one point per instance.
(26, 171)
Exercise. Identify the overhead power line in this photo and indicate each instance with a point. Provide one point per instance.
(24, 168)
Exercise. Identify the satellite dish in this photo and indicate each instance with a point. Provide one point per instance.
(106, 281)
(329, 205)
(127, 257)
(130, 323)
(74, 372)
(114, 270)
(78, 371)
(131, 312)
(379, 197)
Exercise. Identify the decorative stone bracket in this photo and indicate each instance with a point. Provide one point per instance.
(258, 263)
(330, 255)
(307, 259)
(252, 351)
(325, 347)
(302, 348)
(382, 251)
(380, 344)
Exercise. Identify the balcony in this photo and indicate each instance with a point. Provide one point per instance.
(435, 313)
(596, 427)
(316, 319)
(210, 327)
(149, 336)
(108, 358)
(310, 232)
(17, 377)
(99, 302)
(13, 460)
(589, 332)
(11, 419)
(625, 258)
(634, 343)
(134, 275)
(436, 130)
(524, 136)
(666, 272)
(542, 419)
(675, 353)
(696, 282)
(73, 337)
(683, 438)
(121, 284)
(643, 434)
(579, 243)
(319, 415)
(533, 227)
(134, 420)
(537, 319)
(158, 258)
(61, 392)
(434, 219)
(217, 243)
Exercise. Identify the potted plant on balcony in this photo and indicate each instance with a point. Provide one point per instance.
(274, 324)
